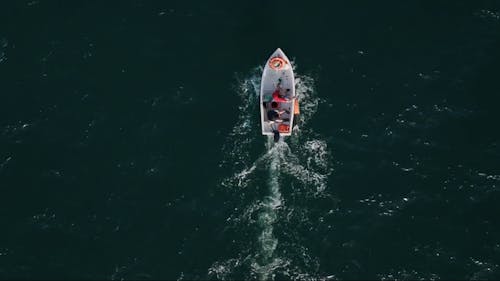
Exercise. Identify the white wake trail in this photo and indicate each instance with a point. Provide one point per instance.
(268, 215)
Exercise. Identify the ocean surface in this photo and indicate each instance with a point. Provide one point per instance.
(130, 145)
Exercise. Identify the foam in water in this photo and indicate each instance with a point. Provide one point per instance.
(268, 216)
(299, 158)
(240, 139)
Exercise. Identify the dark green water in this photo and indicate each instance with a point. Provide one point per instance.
(130, 145)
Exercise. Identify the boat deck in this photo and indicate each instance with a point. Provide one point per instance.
(283, 80)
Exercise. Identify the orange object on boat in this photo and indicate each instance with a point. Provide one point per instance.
(282, 128)
(296, 110)
(277, 63)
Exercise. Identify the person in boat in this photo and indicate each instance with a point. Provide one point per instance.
(275, 114)
(278, 97)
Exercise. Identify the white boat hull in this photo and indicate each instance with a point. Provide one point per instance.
(277, 75)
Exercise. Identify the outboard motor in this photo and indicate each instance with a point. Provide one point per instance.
(276, 136)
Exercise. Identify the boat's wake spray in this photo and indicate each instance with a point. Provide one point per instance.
(306, 171)
(268, 213)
